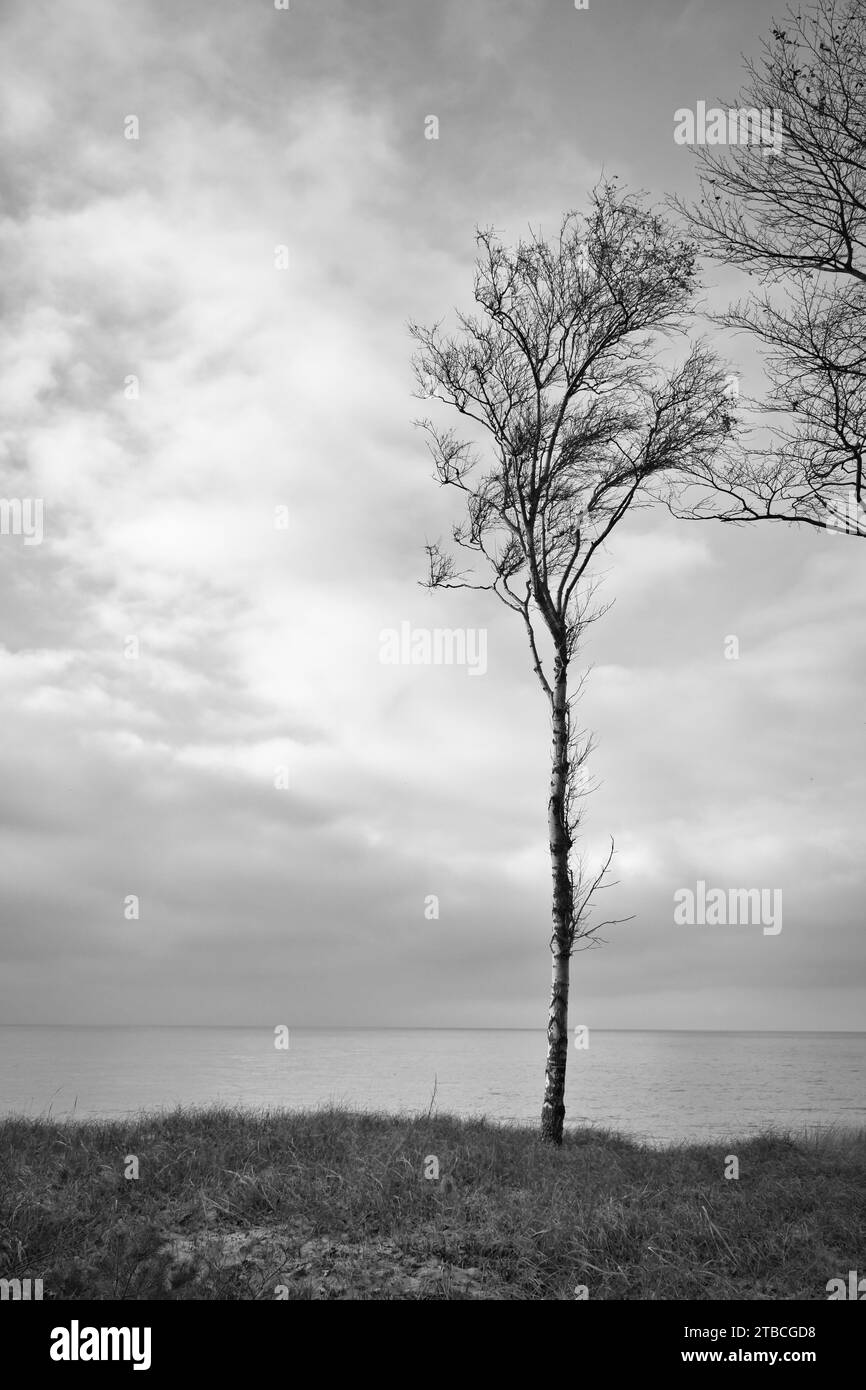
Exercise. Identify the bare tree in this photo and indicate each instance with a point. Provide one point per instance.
(558, 374)
(795, 219)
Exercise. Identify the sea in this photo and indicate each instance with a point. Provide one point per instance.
(660, 1087)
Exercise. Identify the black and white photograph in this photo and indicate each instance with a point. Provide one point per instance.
(433, 736)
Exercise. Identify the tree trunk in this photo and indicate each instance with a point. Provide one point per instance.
(553, 1109)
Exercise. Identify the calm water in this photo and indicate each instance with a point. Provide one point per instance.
(656, 1085)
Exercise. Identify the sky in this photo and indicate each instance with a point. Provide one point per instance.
(281, 803)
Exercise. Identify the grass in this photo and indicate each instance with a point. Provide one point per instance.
(334, 1204)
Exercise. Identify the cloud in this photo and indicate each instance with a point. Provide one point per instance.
(153, 773)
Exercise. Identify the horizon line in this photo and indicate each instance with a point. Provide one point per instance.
(435, 1028)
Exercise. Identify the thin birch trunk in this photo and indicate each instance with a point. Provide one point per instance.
(553, 1109)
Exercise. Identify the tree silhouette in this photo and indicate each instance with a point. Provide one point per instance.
(558, 374)
(796, 221)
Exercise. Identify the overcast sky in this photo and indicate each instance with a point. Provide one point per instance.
(259, 648)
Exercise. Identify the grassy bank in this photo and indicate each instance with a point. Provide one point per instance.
(337, 1205)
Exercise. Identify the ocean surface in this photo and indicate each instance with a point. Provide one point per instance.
(659, 1086)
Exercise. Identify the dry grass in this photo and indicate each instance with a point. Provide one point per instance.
(333, 1204)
